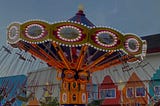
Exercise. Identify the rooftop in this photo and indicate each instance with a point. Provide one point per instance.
(81, 17)
(153, 43)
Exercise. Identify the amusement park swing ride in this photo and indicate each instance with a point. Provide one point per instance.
(76, 48)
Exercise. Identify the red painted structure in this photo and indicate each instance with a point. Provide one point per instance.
(109, 84)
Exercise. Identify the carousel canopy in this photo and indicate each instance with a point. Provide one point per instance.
(76, 44)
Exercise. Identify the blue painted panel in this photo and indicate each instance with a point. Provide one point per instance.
(155, 81)
(12, 85)
(92, 90)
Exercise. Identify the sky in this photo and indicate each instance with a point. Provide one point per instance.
(141, 17)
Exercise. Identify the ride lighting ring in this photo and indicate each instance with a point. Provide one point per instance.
(13, 33)
(83, 97)
(35, 31)
(106, 39)
(64, 97)
(69, 33)
(132, 45)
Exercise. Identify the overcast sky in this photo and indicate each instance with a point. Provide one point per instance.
(141, 17)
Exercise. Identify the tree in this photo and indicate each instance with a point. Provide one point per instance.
(96, 102)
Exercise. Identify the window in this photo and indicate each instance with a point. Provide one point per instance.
(157, 90)
(102, 93)
(140, 91)
(130, 92)
(93, 95)
(138, 104)
(92, 91)
(108, 93)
